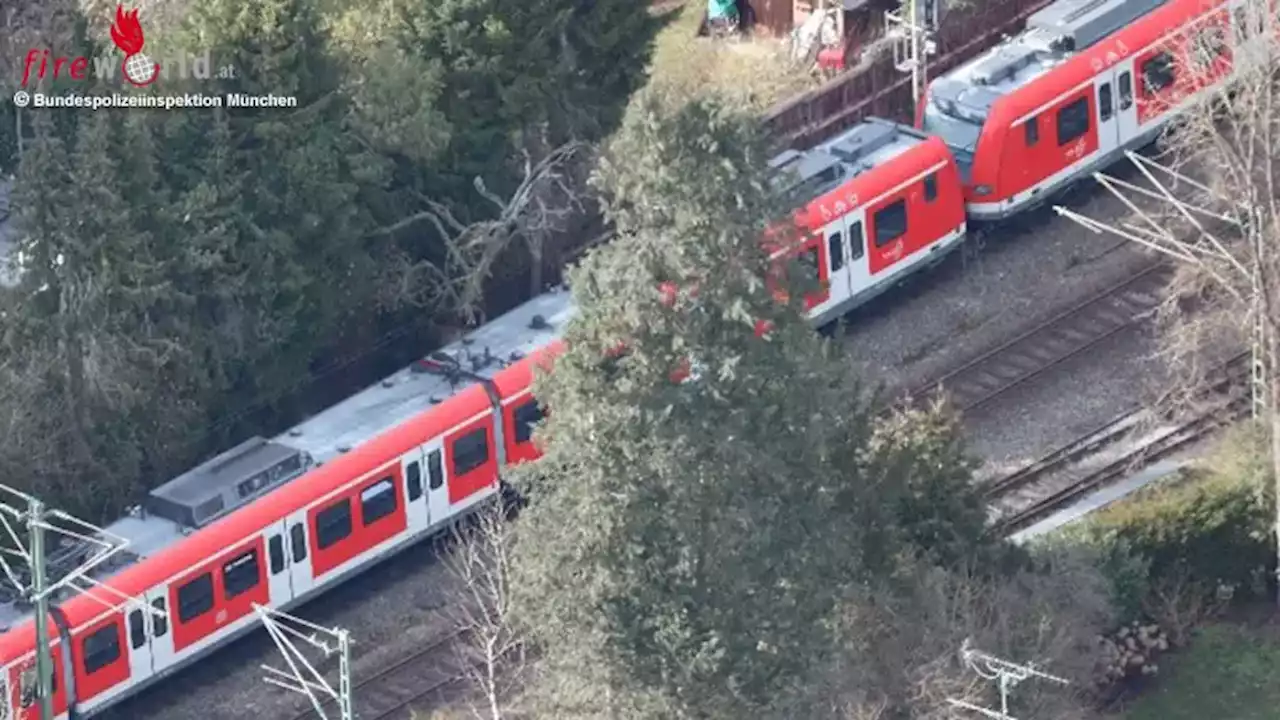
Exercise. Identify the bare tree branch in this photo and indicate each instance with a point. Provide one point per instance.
(492, 652)
(537, 207)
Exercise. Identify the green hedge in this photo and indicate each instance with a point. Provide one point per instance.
(1213, 526)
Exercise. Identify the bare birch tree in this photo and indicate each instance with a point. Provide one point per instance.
(491, 649)
(1211, 199)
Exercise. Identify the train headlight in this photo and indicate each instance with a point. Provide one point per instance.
(982, 190)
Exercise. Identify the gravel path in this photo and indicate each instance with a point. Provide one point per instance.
(973, 301)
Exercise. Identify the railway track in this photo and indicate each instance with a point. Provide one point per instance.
(1054, 341)
(1223, 399)
(393, 691)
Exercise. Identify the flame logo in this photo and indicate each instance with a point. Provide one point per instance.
(126, 32)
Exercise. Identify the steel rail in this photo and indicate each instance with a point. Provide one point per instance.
(372, 694)
(1228, 399)
(1052, 342)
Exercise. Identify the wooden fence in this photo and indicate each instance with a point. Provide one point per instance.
(883, 91)
(879, 90)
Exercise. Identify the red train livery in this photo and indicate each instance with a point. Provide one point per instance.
(1086, 81)
(886, 201)
(276, 522)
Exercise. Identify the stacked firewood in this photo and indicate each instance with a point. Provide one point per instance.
(1130, 651)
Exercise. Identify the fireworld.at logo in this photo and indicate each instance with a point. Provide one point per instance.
(126, 33)
(136, 68)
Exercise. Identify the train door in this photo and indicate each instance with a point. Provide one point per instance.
(437, 487)
(1105, 95)
(859, 270)
(138, 636)
(297, 555)
(837, 245)
(1126, 107)
(156, 618)
(415, 483)
(279, 579)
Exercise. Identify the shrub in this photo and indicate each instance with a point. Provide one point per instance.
(1174, 551)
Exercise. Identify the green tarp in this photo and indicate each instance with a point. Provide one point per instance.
(721, 9)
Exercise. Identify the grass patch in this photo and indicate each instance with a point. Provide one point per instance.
(752, 74)
(1227, 671)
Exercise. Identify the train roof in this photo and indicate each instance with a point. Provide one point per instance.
(960, 100)
(806, 176)
(327, 443)
(411, 390)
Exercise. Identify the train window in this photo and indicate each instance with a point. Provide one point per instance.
(855, 241)
(435, 470)
(808, 260)
(298, 539)
(241, 574)
(1210, 44)
(333, 523)
(159, 619)
(1157, 73)
(1073, 121)
(891, 222)
(1032, 129)
(275, 552)
(413, 480)
(101, 648)
(195, 598)
(526, 416)
(27, 685)
(470, 451)
(835, 250)
(931, 187)
(137, 630)
(1249, 24)
(378, 501)
(1104, 101)
(1126, 90)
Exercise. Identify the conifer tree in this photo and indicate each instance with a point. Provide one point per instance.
(93, 285)
(689, 542)
(291, 230)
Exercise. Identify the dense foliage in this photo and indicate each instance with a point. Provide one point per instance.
(189, 275)
(692, 547)
(1174, 546)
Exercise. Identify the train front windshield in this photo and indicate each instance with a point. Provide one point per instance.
(960, 135)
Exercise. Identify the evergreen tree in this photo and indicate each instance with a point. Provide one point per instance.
(452, 90)
(271, 196)
(689, 542)
(97, 304)
(941, 514)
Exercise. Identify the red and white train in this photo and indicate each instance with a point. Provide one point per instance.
(1087, 80)
(277, 522)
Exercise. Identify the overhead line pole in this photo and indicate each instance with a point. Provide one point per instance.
(44, 653)
(910, 29)
(40, 587)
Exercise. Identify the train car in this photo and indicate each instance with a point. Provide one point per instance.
(276, 522)
(876, 203)
(1087, 80)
